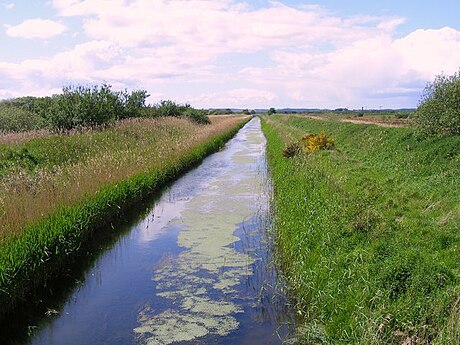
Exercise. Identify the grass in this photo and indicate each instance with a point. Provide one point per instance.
(50, 207)
(369, 233)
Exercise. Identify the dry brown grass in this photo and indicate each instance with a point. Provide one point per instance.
(10, 138)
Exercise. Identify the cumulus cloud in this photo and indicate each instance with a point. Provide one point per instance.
(179, 48)
(36, 29)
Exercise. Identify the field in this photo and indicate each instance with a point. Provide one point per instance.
(368, 232)
(56, 188)
(381, 119)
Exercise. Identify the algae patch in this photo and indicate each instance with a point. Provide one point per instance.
(197, 289)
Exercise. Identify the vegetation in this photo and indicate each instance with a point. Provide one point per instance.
(220, 111)
(439, 109)
(55, 190)
(368, 233)
(309, 143)
(87, 107)
(271, 111)
(14, 118)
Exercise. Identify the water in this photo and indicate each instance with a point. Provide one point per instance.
(196, 268)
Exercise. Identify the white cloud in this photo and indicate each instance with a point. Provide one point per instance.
(234, 98)
(36, 29)
(8, 6)
(430, 51)
(311, 57)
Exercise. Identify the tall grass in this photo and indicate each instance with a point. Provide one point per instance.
(47, 212)
(368, 233)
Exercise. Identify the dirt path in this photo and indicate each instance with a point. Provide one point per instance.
(362, 121)
(378, 122)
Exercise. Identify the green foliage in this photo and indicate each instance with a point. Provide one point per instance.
(87, 106)
(170, 108)
(84, 106)
(271, 111)
(439, 109)
(368, 234)
(14, 118)
(197, 115)
(133, 104)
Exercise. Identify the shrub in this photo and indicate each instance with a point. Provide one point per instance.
(82, 106)
(14, 118)
(439, 109)
(88, 106)
(309, 143)
(402, 115)
(196, 115)
(133, 104)
(316, 142)
(170, 108)
(271, 111)
(292, 149)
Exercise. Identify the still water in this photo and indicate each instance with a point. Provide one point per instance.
(196, 268)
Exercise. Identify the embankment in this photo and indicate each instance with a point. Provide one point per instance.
(368, 234)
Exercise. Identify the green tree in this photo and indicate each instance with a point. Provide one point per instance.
(439, 109)
(271, 111)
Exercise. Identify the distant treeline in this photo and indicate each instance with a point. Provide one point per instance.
(87, 106)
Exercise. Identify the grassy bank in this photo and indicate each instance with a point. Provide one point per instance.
(369, 233)
(52, 199)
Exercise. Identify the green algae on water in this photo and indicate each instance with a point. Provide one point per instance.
(199, 284)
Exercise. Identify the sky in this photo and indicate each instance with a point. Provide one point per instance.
(236, 54)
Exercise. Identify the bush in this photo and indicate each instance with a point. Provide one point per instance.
(316, 142)
(14, 118)
(439, 109)
(292, 149)
(271, 111)
(309, 143)
(196, 115)
(87, 106)
(83, 106)
(133, 104)
(170, 108)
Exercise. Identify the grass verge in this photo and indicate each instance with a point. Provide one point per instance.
(29, 258)
(368, 234)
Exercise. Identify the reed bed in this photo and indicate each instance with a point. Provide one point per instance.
(26, 197)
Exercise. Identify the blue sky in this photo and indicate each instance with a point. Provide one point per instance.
(223, 53)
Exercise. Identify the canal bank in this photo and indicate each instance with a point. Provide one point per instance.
(197, 268)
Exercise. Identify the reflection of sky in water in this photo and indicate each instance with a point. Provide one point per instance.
(197, 268)
(200, 284)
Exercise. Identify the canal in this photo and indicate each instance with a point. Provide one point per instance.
(195, 267)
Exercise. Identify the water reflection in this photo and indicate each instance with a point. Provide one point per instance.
(222, 270)
(196, 269)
